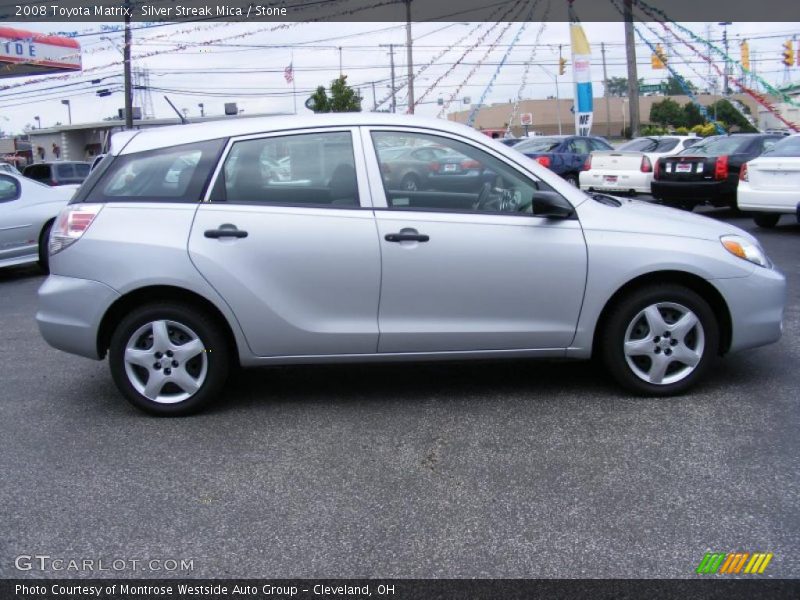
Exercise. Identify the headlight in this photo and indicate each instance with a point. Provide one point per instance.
(743, 248)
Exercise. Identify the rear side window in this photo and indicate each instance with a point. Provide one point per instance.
(38, 172)
(667, 144)
(313, 169)
(9, 188)
(786, 147)
(174, 174)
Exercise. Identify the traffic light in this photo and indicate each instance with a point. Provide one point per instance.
(659, 58)
(788, 53)
(745, 50)
(562, 66)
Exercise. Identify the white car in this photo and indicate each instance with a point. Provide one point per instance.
(770, 184)
(629, 168)
(27, 211)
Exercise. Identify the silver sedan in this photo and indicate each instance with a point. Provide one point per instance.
(27, 211)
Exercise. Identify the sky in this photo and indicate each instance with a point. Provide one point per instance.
(247, 66)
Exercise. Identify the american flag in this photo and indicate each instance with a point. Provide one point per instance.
(288, 73)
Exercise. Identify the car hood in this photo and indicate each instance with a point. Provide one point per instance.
(634, 216)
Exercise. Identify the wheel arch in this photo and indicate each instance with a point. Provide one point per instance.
(161, 293)
(694, 282)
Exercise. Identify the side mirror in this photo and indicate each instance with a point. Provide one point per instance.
(551, 205)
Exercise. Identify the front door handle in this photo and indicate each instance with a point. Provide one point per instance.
(404, 236)
(226, 230)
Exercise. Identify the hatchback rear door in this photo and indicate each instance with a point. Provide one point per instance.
(294, 254)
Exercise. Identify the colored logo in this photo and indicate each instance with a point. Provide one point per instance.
(734, 563)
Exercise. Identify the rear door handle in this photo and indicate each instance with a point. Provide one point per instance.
(406, 237)
(226, 230)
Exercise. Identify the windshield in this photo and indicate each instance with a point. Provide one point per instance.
(786, 147)
(718, 145)
(538, 145)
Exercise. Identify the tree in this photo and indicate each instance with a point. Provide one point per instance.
(342, 98)
(692, 115)
(673, 87)
(618, 86)
(667, 112)
(730, 116)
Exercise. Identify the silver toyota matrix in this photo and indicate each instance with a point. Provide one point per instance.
(368, 237)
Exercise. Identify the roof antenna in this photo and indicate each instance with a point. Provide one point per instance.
(183, 119)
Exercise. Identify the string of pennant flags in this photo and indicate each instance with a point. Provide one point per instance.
(527, 69)
(487, 90)
(466, 52)
(518, 7)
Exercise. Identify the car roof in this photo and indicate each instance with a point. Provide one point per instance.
(127, 142)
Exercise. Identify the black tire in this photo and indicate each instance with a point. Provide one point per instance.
(622, 315)
(215, 353)
(572, 179)
(767, 220)
(409, 182)
(44, 251)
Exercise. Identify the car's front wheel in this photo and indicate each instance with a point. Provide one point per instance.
(659, 340)
(168, 359)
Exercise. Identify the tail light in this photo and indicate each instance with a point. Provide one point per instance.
(743, 174)
(587, 166)
(470, 164)
(544, 161)
(71, 224)
(721, 168)
(646, 166)
(434, 167)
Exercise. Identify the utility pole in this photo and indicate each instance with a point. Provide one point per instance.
(605, 91)
(725, 89)
(340, 61)
(558, 100)
(633, 75)
(126, 59)
(410, 59)
(394, 89)
(374, 98)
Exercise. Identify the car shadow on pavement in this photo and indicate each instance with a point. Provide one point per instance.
(20, 273)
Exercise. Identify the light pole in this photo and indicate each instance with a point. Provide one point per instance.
(558, 101)
(38, 122)
(624, 110)
(69, 110)
(201, 106)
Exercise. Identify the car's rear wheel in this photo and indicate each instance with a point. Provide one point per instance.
(169, 359)
(44, 250)
(767, 220)
(659, 340)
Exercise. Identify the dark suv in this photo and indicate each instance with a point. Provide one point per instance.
(708, 171)
(58, 173)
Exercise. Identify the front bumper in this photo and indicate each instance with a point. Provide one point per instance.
(756, 304)
(70, 312)
(692, 191)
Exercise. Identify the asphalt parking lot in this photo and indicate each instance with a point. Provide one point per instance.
(501, 469)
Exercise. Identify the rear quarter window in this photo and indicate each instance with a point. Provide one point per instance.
(173, 174)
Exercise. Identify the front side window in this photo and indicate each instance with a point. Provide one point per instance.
(173, 174)
(9, 188)
(313, 169)
(459, 177)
